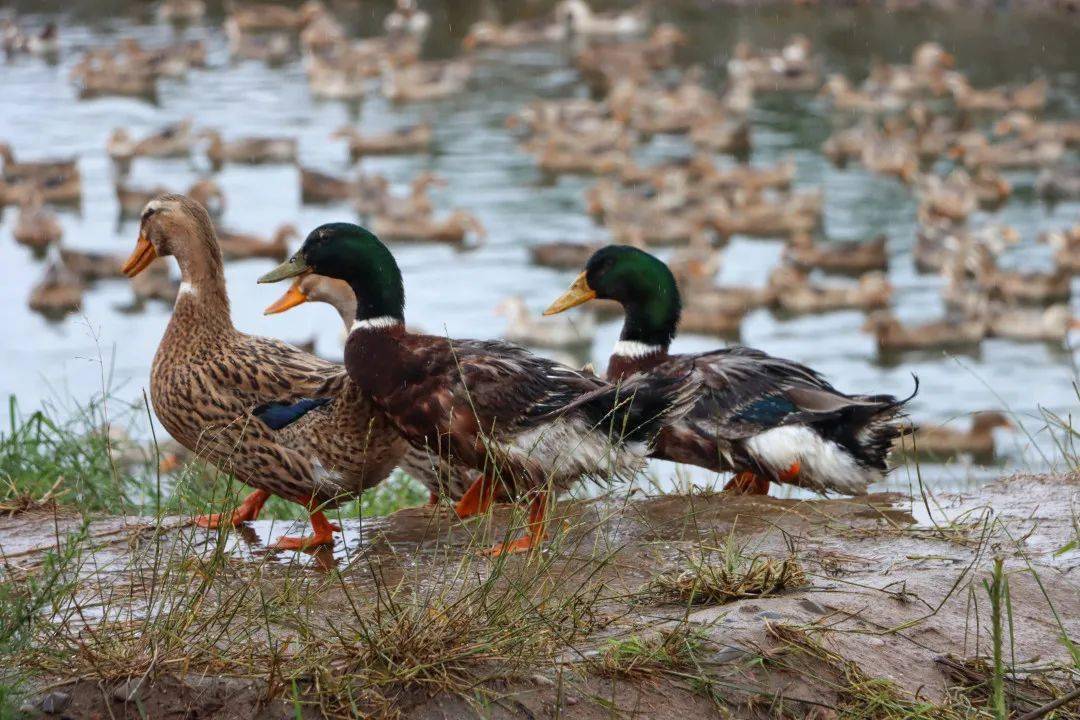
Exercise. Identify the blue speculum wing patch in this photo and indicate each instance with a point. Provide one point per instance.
(767, 411)
(282, 414)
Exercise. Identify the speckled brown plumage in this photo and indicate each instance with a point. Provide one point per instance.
(208, 377)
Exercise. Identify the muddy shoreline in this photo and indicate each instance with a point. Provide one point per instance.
(885, 612)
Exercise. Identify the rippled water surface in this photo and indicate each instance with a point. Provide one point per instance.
(455, 292)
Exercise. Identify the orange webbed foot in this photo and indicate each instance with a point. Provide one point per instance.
(247, 510)
(210, 522)
(533, 537)
(748, 483)
(477, 499)
(303, 542)
(522, 544)
(323, 535)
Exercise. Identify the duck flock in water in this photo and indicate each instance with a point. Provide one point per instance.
(761, 418)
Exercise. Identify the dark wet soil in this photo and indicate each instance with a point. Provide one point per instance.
(885, 597)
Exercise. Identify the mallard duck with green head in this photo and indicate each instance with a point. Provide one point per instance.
(441, 479)
(766, 418)
(520, 420)
(280, 420)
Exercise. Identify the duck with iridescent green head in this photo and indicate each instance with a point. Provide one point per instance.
(521, 420)
(765, 418)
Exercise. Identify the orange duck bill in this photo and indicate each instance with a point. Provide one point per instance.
(141, 257)
(293, 296)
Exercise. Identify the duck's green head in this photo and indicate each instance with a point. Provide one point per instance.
(351, 253)
(641, 283)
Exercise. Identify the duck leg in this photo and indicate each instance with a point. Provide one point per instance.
(477, 499)
(535, 533)
(248, 509)
(323, 535)
(748, 483)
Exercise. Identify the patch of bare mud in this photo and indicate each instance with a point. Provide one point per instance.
(882, 598)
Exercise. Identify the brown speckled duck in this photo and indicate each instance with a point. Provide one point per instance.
(273, 416)
(402, 141)
(250, 150)
(451, 230)
(797, 293)
(847, 257)
(891, 335)
(172, 141)
(240, 246)
(1066, 247)
(37, 227)
(317, 187)
(940, 442)
(58, 293)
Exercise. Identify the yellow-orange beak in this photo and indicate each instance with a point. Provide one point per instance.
(141, 257)
(579, 293)
(293, 296)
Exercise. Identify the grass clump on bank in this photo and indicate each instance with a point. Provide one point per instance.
(90, 462)
(725, 574)
(640, 655)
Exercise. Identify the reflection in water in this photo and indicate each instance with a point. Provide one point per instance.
(485, 172)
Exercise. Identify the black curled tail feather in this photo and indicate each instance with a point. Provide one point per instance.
(882, 429)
